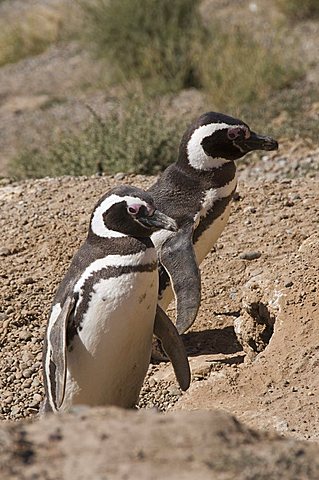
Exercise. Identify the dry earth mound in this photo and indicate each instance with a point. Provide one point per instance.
(110, 443)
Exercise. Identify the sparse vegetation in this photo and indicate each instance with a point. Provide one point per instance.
(137, 140)
(299, 10)
(151, 40)
(160, 48)
(166, 45)
(238, 70)
(33, 32)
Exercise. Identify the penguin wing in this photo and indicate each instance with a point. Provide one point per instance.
(57, 343)
(173, 346)
(178, 257)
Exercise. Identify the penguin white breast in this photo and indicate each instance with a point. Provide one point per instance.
(111, 353)
(209, 237)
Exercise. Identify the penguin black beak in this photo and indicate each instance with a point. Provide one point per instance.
(258, 142)
(157, 221)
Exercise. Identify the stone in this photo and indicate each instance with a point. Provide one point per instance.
(25, 335)
(253, 255)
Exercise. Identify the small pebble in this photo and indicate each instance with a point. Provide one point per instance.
(6, 393)
(27, 373)
(35, 382)
(250, 255)
(25, 335)
(174, 390)
(8, 399)
(119, 176)
(28, 281)
(37, 398)
(152, 382)
(250, 209)
(15, 409)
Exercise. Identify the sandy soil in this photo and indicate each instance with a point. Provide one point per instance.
(269, 381)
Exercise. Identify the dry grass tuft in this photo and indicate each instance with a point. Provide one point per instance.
(35, 30)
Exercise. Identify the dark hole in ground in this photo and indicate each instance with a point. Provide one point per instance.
(212, 342)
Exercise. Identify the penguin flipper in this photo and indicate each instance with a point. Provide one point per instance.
(57, 340)
(178, 257)
(173, 346)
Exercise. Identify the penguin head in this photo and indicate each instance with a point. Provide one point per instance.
(215, 139)
(128, 211)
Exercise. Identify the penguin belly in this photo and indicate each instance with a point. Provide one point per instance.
(202, 247)
(109, 357)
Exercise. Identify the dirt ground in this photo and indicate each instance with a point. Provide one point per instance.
(268, 381)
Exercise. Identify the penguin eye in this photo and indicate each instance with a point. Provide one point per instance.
(133, 210)
(233, 133)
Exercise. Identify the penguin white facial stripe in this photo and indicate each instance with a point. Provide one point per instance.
(97, 223)
(56, 309)
(197, 158)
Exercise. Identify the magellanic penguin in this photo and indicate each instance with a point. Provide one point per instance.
(99, 334)
(196, 191)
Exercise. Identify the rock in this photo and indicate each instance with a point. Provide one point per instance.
(27, 373)
(25, 335)
(15, 410)
(250, 255)
(36, 400)
(174, 390)
(152, 382)
(119, 176)
(28, 281)
(4, 251)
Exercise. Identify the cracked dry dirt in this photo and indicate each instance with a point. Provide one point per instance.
(274, 390)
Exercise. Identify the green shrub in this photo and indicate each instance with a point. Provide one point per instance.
(238, 70)
(138, 140)
(165, 45)
(299, 9)
(150, 40)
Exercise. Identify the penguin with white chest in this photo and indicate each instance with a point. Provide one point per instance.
(99, 334)
(196, 191)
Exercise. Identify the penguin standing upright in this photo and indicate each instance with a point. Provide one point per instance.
(99, 334)
(196, 191)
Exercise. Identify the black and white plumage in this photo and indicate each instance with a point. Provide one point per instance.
(99, 334)
(196, 191)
